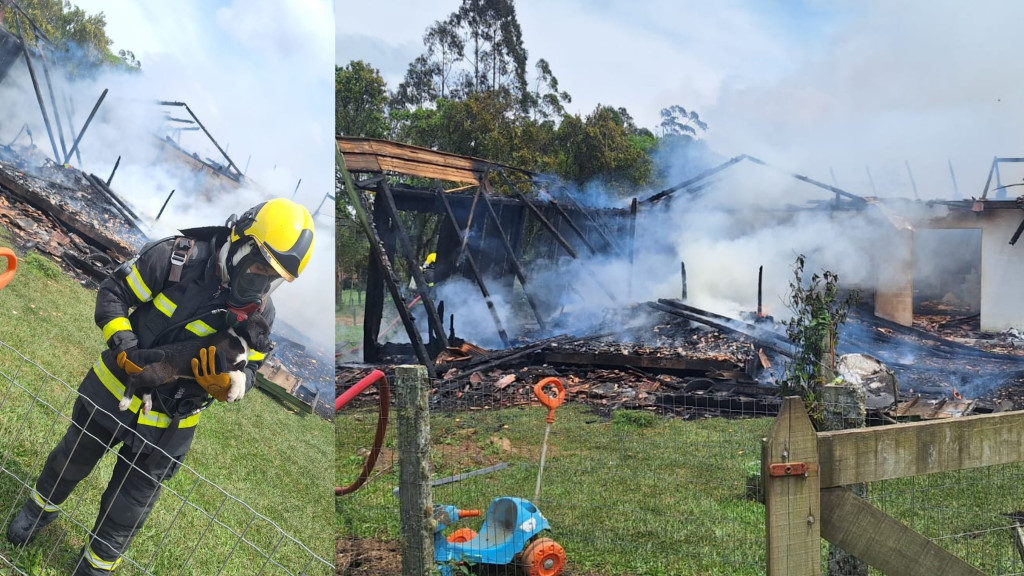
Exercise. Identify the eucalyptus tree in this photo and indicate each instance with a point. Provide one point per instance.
(677, 121)
(360, 99)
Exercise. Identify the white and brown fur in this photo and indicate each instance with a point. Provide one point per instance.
(233, 347)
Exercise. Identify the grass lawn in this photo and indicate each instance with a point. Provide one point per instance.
(262, 471)
(348, 323)
(643, 495)
(659, 496)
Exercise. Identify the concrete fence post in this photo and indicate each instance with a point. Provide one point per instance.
(415, 500)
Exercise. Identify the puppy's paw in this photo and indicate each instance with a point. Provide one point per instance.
(125, 402)
(237, 389)
(147, 403)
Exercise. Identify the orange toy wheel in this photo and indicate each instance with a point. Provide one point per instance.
(462, 535)
(544, 557)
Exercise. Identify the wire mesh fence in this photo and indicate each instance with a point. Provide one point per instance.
(196, 527)
(639, 492)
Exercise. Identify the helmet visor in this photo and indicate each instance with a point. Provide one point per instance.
(253, 280)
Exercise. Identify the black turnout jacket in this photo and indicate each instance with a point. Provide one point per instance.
(141, 306)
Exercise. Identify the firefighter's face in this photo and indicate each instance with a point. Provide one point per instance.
(263, 270)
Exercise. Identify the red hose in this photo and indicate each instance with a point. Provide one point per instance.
(352, 392)
(382, 425)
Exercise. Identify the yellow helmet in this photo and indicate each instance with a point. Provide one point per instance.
(283, 231)
(431, 258)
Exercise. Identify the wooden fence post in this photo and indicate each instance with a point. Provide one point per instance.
(415, 500)
(789, 467)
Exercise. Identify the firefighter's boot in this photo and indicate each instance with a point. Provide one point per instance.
(28, 522)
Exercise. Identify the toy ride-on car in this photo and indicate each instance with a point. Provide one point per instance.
(510, 535)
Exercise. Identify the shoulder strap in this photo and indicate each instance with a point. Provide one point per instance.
(179, 256)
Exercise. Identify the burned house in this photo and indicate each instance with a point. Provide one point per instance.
(533, 254)
(493, 242)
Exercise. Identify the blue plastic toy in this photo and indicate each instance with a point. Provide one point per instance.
(510, 533)
(511, 530)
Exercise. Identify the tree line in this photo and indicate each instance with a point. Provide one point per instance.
(469, 93)
(79, 38)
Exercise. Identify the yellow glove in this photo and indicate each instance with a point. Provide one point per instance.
(138, 360)
(205, 370)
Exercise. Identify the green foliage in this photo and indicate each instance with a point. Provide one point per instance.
(634, 419)
(360, 98)
(351, 248)
(76, 34)
(818, 312)
(607, 144)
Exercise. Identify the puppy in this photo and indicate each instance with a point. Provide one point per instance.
(175, 361)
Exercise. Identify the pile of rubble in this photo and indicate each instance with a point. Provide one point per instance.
(67, 214)
(706, 365)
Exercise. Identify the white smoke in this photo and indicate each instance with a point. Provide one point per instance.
(257, 75)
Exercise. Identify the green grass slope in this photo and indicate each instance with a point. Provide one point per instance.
(265, 473)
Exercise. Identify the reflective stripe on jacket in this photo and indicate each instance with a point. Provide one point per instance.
(141, 308)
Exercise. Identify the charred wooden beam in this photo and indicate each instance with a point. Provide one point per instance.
(683, 366)
(683, 185)
(71, 126)
(469, 226)
(671, 308)
(409, 252)
(53, 100)
(238, 173)
(760, 279)
(381, 257)
(632, 240)
(475, 272)
(161, 212)
(594, 224)
(120, 205)
(85, 126)
(1017, 233)
(111, 177)
(811, 181)
(682, 271)
(376, 286)
(35, 84)
(561, 240)
(540, 217)
(512, 258)
(120, 237)
(485, 363)
(574, 227)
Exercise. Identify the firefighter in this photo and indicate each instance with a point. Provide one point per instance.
(428, 272)
(187, 286)
(428, 269)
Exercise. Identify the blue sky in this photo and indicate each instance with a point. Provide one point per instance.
(814, 86)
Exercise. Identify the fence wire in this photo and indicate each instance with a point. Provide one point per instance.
(636, 492)
(196, 528)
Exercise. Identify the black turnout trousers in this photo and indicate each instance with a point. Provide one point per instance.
(131, 492)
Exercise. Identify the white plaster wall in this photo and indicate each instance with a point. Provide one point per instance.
(1002, 266)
